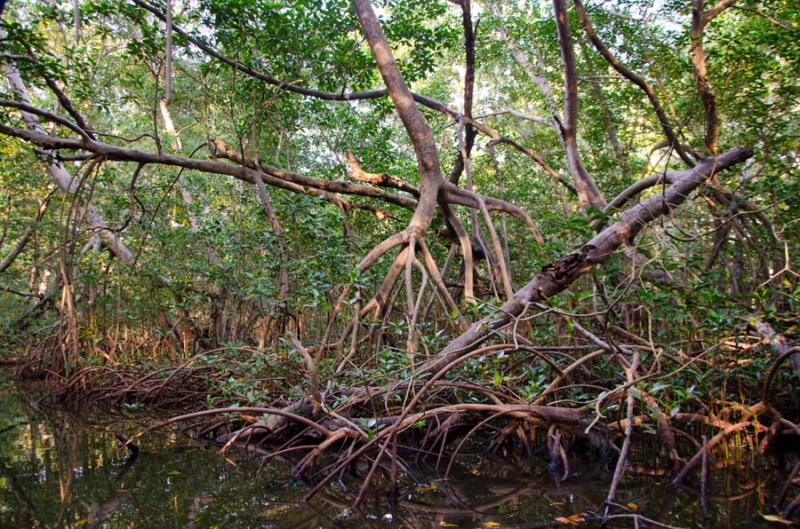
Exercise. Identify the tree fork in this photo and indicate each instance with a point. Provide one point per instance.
(558, 276)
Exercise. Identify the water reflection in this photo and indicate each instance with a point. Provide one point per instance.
(62, 471)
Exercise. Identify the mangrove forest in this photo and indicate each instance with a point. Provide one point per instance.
(399, 263)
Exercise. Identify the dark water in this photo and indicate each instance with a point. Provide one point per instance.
(59, 470)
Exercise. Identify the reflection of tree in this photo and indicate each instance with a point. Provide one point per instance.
(481, 497)
(62, 457)
(27, 509)
(171, 485)
(101, 512)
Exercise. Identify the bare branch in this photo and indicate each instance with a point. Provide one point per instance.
(49, 116)
(588, 193)
(379, 179)
(636, 79)
(699, 21)
(23, 240)
(721, 6)
(559, 275)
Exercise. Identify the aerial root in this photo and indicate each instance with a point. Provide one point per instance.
(438, 419)
(437, 425)
(382, 303)
(414, 253)
(439, 429)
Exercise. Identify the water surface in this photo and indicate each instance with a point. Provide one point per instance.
(61, 470)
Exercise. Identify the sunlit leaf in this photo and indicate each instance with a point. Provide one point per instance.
(775, 518)
(572, 519)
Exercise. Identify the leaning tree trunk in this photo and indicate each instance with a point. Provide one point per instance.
(556, 277)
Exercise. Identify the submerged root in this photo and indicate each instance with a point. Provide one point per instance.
(353, 435)
(375, 430)
(343, 425)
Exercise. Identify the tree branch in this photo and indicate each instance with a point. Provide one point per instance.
(588, 193)
(328, 96)
(636, 79)
(558, 276)
(700, 19)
